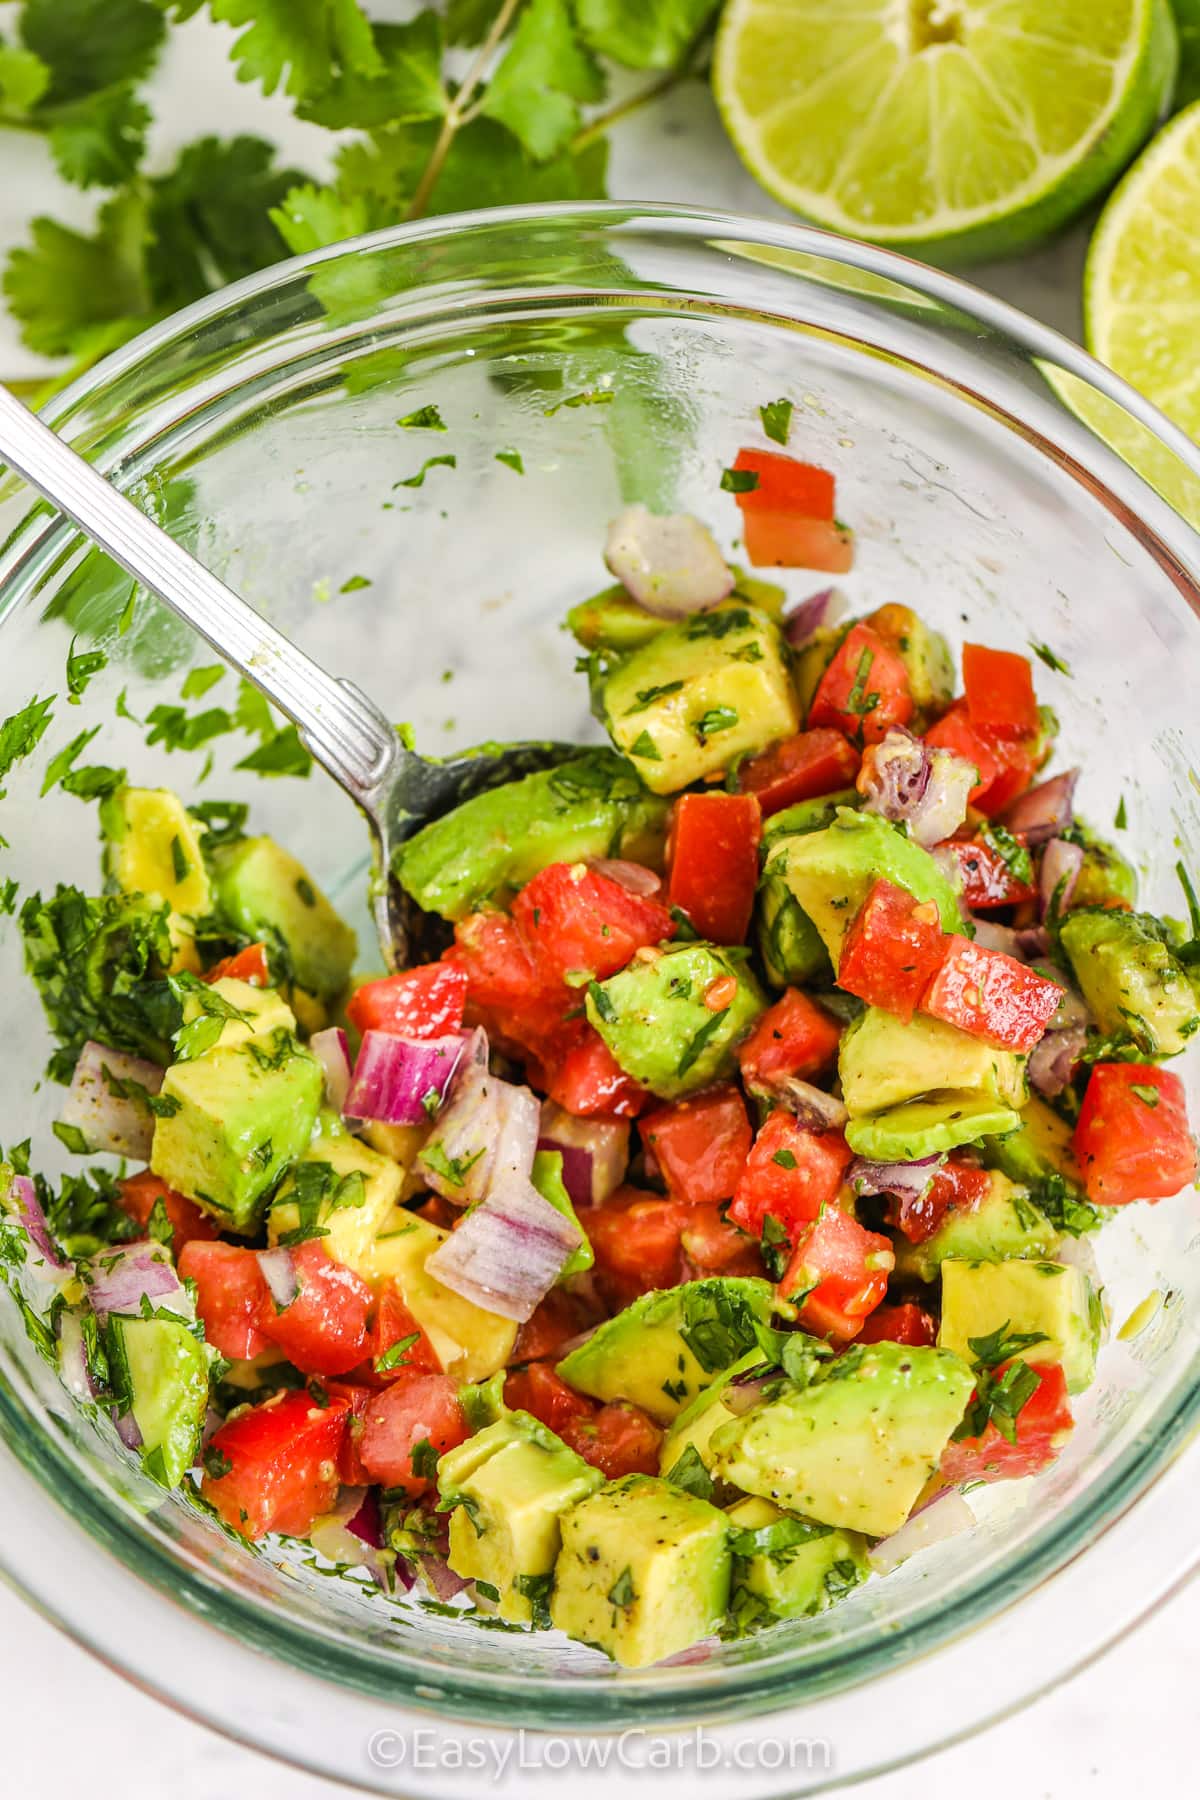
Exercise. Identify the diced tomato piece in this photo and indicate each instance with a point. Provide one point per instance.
(906, 1323)
(578, 1070)
(283, 1458)
(955, 731)
(554, 1322)
(1016, 766)
(785, 484)
(189, 1224)
(1132, 1138)
(712, 1246)
(635, 1238)
(790, 1174)
(799, 768)
(864, 690)
(538, 1390)
(991, 996)
(356, 1396)
(793, 1037)
(425, 1002)
(619, 1440)
(783, 540)
(1041, 1428)
(248, 965)
(700, 1145)
(574, 918)
(714, 862)
(987, 879)
(323, 1330)
(958, 1186)
(505, 990)
(390, 1324)
(893, 949)
(838, 1272)
(415, 1410)
(999, 690)
(230, 1296)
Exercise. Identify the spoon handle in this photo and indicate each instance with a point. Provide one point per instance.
(345, 732)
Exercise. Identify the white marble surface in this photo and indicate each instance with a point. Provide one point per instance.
(1125, 1723)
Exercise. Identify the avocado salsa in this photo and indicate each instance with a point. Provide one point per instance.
(709, 1207)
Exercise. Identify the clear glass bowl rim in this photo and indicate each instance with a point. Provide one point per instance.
(1128, 1479)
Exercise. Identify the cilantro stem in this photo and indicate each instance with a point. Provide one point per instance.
(632, 103)
(457, 111)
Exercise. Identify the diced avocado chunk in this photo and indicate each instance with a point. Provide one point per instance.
(830, 872)
(491, 845)
(1005, 1223)
(612, 621)
(643, 1572)
(883, 1062)
(255, 1014)
(1105, 875)
(940, 1121)
(547, 1178)
(1039, 1155)
(507, 1487)
(699, 695)
(788, 1568)
(789, 943)
(242, 1116)
(1054, 1300)
(808, 815)
(924, 653)
(152, 847)
(159, 1373)
(694, 1425)
(853, 1446)
(657, 1023)
(469, 1342)
(664, 1348)
(1131, 980)
(810, 662)
(341, 1191)
(270, 896)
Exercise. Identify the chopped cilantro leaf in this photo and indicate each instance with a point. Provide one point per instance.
(354, 584)
(776, 418)
(645, 747)
(425, 418)
(622, 1592)
(1044, 654)
(198, 681)
(690, 1474)
(22, 732)
(717, 718)
(1122, 818)
(739, 481)
(602, 1001)
(511, 459)
(431, 462)
(395, 1354)
(62, 764)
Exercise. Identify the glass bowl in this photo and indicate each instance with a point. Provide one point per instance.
(578, 359)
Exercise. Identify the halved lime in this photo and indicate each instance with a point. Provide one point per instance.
(1141, 294)
(953, 128)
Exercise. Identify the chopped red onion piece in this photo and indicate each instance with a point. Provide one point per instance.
(595, 1152)
(487, 1130)
(581, 1337)
(1054, 1059)
(1079, 1253)
(633, 877)
(119, 1279)
(990, 936)
(812, 1106)
(741, 1395)
(440, 1578)
(112, 1123)
(332, 1050)
(669, 564)
(811, 614)
(1062, 863)
(127, 1430)
(1032, 941)
(910, 784)
(72, 1357)
(366, 1522)
(946, 1517)
(506, 1255)
(907, 1181)
(402, 1081)
(1045, 811)
(48, 1261)
(279, 1273)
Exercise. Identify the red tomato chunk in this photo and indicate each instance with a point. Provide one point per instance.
(893, 949)
(790, 1174)
(425, 1002)
(248, 965)
(538, 1390)
(785, 485)
(838, 1273)
(574, 919)
(999, 690)
(780, 540)
(635, 1238)
(1132, 1138)
(714, 863)
(864, 690)
(619, 1440)
(578, 1070)
(793, 1037)
(406, 1415)
(955, 731)
(987, 880)
(799, 768)
(324, 1328)
(700, 1145)
(283, 1465)
(991, 996)
(392, 1324)
(139, 1196)
(1041, 1428)
(906, 1323)
(957, 1187)
(230, 1296)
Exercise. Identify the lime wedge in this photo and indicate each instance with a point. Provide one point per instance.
(1141, 294)
(954, 128)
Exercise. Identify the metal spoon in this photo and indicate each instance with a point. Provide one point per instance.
(344, 731)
